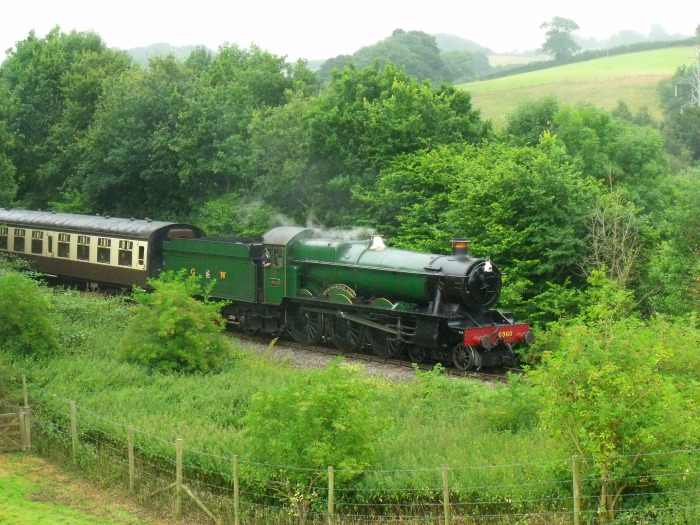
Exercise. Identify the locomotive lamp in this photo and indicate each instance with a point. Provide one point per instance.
(460, 246)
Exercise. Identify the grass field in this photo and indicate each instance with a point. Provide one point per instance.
(35, 492)
(632, 78)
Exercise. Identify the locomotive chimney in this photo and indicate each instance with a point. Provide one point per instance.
(460, 247)
(377, 242)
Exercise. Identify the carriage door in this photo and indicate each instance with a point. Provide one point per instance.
(49, 245)
(274, 281)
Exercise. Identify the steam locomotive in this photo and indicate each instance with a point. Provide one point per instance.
(355, 294)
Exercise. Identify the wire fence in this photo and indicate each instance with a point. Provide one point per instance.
(227, 489)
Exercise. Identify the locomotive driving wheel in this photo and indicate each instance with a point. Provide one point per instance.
(384, 344)
(463, 357)
(305, 327)
(346, 335)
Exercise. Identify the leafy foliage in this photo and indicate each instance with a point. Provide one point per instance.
(624, 155)
(25, 322)
(671, 283)
(54, 86)
(171, 331)
(366, 118)
(325, 419)
(232, 215)
(605, 390)
(414, 51)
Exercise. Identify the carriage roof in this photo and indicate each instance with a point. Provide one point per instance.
(97, 224)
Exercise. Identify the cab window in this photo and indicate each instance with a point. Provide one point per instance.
(278, 256)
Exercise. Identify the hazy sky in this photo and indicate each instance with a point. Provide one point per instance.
(322, 29)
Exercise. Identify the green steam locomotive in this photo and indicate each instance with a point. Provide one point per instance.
(358, 294)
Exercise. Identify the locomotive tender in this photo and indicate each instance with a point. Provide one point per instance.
(355, 294)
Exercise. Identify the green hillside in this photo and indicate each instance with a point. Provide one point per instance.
(632, 78)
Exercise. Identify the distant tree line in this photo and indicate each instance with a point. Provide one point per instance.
(241, 140)
(421, 57)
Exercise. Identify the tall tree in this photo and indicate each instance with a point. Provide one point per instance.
(366, 117)
(54, 85)
(621, 154)
(213, 129)
(559, 40)
(8, 183)
(129, 166)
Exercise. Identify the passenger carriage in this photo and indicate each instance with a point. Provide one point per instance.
(101, 250)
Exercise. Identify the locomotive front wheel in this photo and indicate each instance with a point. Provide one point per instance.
(304, 326)
(384, 344)
(463, 357)
(346, 335)
(417, 354)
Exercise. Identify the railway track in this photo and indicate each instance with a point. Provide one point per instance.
(490, 376)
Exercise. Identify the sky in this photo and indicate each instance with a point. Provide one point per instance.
(317, 29)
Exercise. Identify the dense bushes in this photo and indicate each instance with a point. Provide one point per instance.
(171, 331)
(25, 322)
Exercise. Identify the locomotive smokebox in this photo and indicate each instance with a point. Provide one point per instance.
(460, 247)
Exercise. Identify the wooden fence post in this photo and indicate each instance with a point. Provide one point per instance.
(24, 390)
(130, 448)
(331, 495)
(74, 429)
(236, 494)
(26, 427)
(446, 494)
(577, 489)
(178, 476)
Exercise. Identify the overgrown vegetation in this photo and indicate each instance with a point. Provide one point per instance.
(610, 387)
(171, 331)
(25, 323)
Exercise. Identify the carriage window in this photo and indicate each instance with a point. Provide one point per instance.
(103, 250)
(3, 237)
(83, 253)
(19, 239)
(64, 245)
(126, 255)
(37, 242)
(142, 255)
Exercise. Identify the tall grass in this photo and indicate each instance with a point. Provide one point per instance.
(485, 439)
(432, 421)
